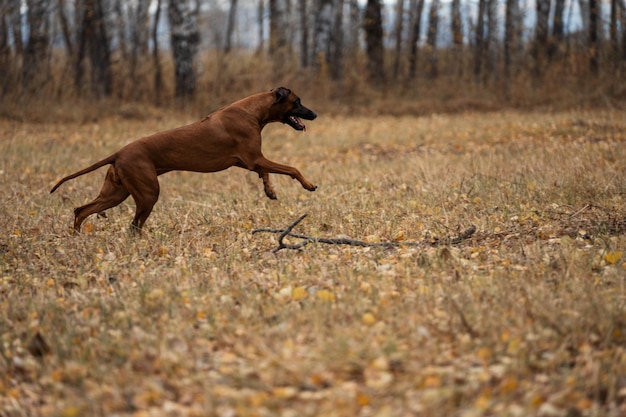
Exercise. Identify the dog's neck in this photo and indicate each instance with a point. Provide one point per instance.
(257, 106)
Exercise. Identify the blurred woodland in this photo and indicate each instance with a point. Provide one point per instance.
(468, 54)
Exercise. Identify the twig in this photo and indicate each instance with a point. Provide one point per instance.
(283, 233)
(464, 321)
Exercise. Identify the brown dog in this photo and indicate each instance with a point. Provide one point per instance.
(228, 137)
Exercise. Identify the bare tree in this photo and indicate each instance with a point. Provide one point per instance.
(354, 26)
(139, 37)
(399, 26)
(479, 41)
(36, 68)
(185, 38)
(156, 62)
(373, 25)
(260, 11)
(323, 10)
(93, 40)
(66, 29)
(558, 27)
(278, 42)
(336, 41)
(540, 43)
(230, 26)
(623, 20)
(511, 22)
(304, 33)
(492, 39)
(416, 7)
(15, 23)
(594, 65)
(456, 28)
(431, 38)
(5, 50)
(456, 24)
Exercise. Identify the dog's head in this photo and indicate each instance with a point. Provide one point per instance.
(289, 109)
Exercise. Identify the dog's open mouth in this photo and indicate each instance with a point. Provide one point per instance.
(295, 122)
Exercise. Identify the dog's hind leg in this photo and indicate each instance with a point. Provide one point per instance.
(143, 185)
(112, 193)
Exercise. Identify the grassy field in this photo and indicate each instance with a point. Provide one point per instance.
(198, 317)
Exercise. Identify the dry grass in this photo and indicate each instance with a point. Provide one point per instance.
(197, 317)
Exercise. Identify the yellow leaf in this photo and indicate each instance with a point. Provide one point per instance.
(88, 228)
(284, 392)
(70, 412)
(325, 295)
(299, 293)
(399, 235)
(508, 384)
(482, 402)
(362, 399)
(431, 381)
(368, 318)
(484, 354)
(613, 257)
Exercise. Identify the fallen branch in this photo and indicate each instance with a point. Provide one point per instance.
(283, 233)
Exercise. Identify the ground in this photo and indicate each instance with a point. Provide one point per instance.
(197, 316)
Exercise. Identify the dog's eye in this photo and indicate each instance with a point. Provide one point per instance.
(298, 102)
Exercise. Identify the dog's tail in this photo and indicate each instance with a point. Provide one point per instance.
(106, 161)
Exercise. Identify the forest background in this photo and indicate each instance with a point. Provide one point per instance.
(422, 56)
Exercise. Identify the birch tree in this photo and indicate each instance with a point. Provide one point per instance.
(184, 38)
(373, 25)
(36, 68)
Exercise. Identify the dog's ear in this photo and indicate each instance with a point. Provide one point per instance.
(281, 94)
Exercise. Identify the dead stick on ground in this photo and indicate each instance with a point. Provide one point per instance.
(283, 233)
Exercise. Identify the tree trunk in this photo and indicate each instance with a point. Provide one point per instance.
(336, 41)
(230, 26)
(304, 33)
(399, 26)
(278, 29)
(373, 25)
(614, 39)
(354, 26)
(594, 65)
(558, 28)
(456, 28)
(540, 44)
(322, 33)
(492, 39)
(184, 39)
(65, 29)
(36, 68)
(5, 54)
(158, 74)
(94, 41)
(260, 24)
(15, 23)
(479, 47)
(510, 40)
(431, 38)
(417, 7)
(623, 20)
(456, 25)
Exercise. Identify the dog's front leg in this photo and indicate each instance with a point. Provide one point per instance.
(264, 167)
(267, 185)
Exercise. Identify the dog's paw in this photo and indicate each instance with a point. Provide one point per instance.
(271, 195)
(312, 188)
